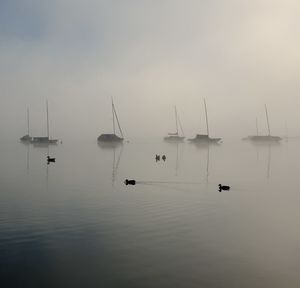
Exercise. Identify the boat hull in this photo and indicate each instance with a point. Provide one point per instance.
(204, 139)
(109, 138)
(264, 139)
(43, 141)
(174, 139)
(26, 139)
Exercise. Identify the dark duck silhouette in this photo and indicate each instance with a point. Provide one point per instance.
(50, 159)
(223, 187)
(129, 182)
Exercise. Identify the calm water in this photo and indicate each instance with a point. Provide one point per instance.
(75, 224)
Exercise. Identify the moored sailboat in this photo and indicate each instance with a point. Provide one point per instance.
(175, 137)
(205, 138)
(44, 140)
(112, 137)
(264, 138)
(27, 138)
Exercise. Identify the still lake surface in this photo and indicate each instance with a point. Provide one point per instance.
(75, 224)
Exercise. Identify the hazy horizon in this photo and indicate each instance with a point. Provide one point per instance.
(149, 56)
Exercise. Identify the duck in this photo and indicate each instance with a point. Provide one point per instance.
(223, 187)
(50, 159)
(129, 182)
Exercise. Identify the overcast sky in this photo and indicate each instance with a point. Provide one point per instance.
(149, 55)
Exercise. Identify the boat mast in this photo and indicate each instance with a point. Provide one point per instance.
(180, 125)
(256, 127)
(206, 117)
(115, 113)
(47, 118)
(176, 121)
(267, 120)
(28, 121)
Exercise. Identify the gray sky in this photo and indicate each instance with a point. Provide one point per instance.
(149, 55)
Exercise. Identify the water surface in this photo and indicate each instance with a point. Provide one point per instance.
(75, 224)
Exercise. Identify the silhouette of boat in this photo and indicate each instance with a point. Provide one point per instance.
(44, 140)
(112, 138)
(27, 138)
(175, 137)
(264, 138)
(204, 138)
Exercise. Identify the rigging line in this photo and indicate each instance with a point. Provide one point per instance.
(267, 120)
(256, 127)
(118, 120)
(206, 117)
(180, 125)
(113, 114)
(28, 130)
(176, 120)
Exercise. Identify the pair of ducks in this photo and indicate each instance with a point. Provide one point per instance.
(157, 157)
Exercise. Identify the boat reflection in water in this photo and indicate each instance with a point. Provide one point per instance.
(109, 145)
(115, 163)
(179, 152)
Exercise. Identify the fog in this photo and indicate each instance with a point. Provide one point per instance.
(149, 56)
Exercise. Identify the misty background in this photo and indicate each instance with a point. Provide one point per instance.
(149, 55)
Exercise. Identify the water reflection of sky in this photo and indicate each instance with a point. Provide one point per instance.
(69, 226)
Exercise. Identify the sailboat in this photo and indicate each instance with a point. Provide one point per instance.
(264, 138)
(174, 137)
(112, 138)
(27, 138)
(248, 137)
(44, 140)
(204, 138)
